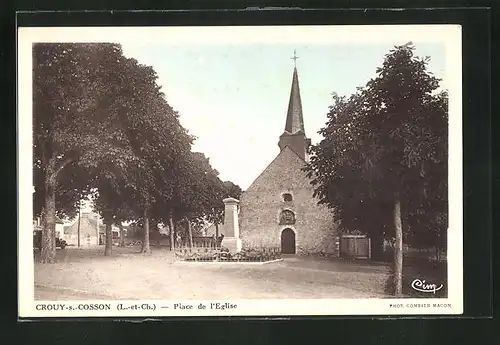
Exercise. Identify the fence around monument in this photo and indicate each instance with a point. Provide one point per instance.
(214, 251)
(205, 249)
(198, 241)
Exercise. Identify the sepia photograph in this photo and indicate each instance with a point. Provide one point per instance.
(240, 171)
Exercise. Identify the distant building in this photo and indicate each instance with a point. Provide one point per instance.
(37, 225)
(59, 228)
(92, 231)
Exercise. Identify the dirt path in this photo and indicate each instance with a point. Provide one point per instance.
(129, 275)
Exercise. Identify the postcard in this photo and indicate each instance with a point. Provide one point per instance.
(240, 171)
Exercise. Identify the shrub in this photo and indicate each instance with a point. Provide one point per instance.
(260, 254)
(199, 257)
(247, 254)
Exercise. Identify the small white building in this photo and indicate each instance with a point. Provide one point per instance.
(37, 225)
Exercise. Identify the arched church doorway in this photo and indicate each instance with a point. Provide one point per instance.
(288, 241)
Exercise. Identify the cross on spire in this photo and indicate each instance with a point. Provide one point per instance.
(294, 58)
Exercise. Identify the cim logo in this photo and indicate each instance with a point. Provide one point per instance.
(422, 286)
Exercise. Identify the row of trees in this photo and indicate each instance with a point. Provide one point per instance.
(103, 127)
(382, 165)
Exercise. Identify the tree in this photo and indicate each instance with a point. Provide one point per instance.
(72, 187)
(100, 112)
(123, 214)
(156, 139)
(109, 203)
(230, 190)
(383, 159)
(72, 89)
(198, 190)
(117, 177)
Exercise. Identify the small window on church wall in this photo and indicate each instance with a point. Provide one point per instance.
(287, 197)
(287, 217)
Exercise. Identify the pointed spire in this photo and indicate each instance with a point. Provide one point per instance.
(294, 136)
(294, 118)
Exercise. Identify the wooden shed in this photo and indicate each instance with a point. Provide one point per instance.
(355, 247)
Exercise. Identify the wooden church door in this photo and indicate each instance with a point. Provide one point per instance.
(288, 241)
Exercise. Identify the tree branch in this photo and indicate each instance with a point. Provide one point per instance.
(62, 164)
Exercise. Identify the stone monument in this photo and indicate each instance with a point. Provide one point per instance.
(231, 240)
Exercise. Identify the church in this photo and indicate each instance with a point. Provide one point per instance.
(278, 209)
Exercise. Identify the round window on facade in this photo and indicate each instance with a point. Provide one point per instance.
(287, 197)
(287, 217)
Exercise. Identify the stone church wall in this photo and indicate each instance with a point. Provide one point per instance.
(262, 204)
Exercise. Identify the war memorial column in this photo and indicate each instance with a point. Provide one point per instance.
(232, 240)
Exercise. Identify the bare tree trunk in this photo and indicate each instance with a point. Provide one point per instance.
(48, 248)
(146, 247)
(122, 234)
(398, 248)
(172, 230)
(216, 229)
(190, 232)
(79, 222)
(108, 249)
(155, 232)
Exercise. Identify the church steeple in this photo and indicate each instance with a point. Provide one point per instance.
(294, 135)
(294, 117)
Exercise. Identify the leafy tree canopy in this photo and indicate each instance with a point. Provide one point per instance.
(389, 137)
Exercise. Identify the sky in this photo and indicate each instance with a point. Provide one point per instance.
(234, 97)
